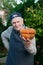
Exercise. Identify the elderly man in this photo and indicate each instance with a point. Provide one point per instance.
(20, 51)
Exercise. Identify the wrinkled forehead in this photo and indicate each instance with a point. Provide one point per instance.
(17, 19)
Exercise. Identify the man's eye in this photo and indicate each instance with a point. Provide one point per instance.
(14, 22)
(17, 21)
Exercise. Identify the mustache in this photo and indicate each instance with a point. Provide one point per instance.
(23, 26)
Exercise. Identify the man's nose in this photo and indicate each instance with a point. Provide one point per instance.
(16, 24)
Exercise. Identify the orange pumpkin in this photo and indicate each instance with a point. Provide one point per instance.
(28, 33)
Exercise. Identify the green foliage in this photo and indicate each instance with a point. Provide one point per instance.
(41, 3)
(34, 18)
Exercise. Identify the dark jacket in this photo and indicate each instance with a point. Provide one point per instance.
(17, 54)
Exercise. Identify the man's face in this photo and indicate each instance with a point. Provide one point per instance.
(17, 23)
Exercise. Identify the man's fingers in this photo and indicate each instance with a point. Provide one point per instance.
(28, 39)
(24, 39)
(26, 42)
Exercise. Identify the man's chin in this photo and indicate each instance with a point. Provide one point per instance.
(17, 29)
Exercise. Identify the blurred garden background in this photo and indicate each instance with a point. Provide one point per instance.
(32, 12)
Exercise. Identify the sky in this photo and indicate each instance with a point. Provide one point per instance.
(36, 1)
(19, 1)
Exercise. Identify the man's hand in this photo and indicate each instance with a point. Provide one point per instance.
(27, 42)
